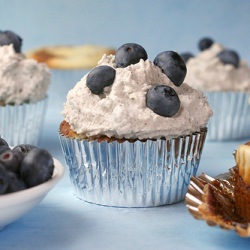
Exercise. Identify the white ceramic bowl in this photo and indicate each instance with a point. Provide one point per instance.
(15, 205)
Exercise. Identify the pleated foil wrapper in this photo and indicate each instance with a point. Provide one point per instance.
(22, 123)
(213, 200)
(138, 174)
(231, 116)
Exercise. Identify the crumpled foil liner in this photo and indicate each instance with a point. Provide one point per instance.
(231, 115)
(22, 123)
(212, 200)
(139, 174)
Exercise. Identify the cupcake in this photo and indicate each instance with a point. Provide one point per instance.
(132, 133)
(68, 64)
(23, 92)
(225, 80)
(242, 181)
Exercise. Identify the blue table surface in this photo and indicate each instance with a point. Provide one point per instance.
(61, 221)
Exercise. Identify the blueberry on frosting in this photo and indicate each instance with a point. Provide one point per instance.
(205, 43)
(8, 37)
(172, 64)
(129, 53)
(186, 56)
(99, 78)
(228, 56)
(163, 100)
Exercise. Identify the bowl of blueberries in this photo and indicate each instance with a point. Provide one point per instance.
(27, 174)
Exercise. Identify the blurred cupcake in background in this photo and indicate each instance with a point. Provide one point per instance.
(23, 92)
(68, 64)
(133, 132)
(225, 80)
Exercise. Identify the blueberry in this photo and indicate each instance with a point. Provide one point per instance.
(205, 43)
(37, 167)
(228, 56)
(3, 145)
(172, 64)
(24, 148)
(4, 180)
(163, 100)
(4, 148)
(129, 53)
(186, 56)
(3, 142)
(8, 37)
(99, 78)
(15, 184)
(11, 160)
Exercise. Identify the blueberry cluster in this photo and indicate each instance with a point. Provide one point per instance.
(23, 166)
(227, 56)
(9, 37)
(161, 99)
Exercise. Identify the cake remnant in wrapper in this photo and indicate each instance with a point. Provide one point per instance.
(242, 182)
(224, 200)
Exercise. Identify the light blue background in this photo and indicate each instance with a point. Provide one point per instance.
(157, 25)
(63, 222)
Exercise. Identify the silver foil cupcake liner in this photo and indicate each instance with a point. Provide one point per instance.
(231, 115)
(139, 174)
(22, 123)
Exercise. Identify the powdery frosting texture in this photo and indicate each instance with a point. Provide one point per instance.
(21, 80)
(121, 111)
(206, 72)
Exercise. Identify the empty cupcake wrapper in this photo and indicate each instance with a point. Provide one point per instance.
(139, 174)
(231, 115)
(202, 208)
(22, 123)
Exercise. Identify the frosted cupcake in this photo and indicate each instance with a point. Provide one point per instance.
(68, 64)
(225, 80)
(23, 92)
(132, 134)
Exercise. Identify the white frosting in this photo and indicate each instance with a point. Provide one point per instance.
(122, 111)
(207, 73)
(21, 79)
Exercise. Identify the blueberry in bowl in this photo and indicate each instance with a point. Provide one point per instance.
(27, 174)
